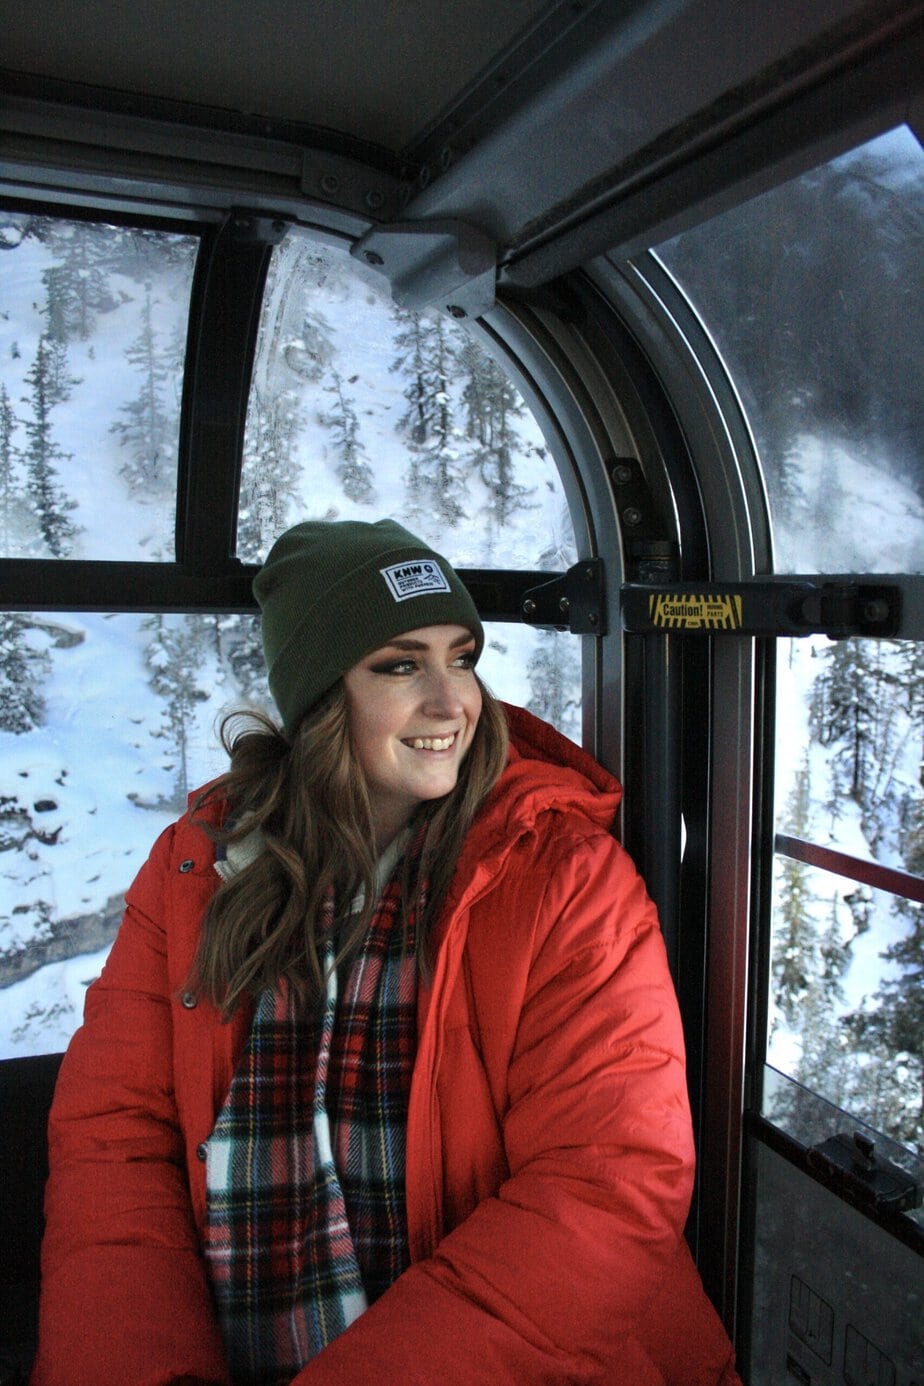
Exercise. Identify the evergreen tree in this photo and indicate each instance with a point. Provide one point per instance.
(271, 474)
(794, 949)
(435, 478)
(23, 670)
(243, 650)
(827, 1061)
(174, 658)
(149, 430)
(554, 673)
(10, 495)
(78, 285)
(491, 407)
(352, 465)
(890, 1034)
(853, 710)
(49, 502)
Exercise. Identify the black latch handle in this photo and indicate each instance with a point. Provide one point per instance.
(851, 1164)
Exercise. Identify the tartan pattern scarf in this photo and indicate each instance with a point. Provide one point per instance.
(306, 1221)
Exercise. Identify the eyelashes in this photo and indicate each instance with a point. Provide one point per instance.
(406, 666)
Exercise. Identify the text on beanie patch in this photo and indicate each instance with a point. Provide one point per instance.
(414, 579)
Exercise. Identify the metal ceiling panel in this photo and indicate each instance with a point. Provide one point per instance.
(377, 71)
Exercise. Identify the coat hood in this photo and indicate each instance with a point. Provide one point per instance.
(547, 772)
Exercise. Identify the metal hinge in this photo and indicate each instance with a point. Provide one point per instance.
(770, 606)
(575, 600)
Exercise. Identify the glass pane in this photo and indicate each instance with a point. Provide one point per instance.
(359, 410)
(107, 722)
(814, 295)
(847, 1005)
(93, 322)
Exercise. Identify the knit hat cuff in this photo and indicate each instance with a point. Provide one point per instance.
(346, 616)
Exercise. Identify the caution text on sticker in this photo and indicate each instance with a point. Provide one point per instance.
(694, 611)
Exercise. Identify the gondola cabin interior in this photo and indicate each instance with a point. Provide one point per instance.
(622, 303)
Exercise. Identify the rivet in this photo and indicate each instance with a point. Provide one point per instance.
(187, 865)
(529, 607)
(202, 1151)
(330, 183)
(632, 515)
(621, 474)
(372, 257)
(189, 1000)
(374, 199)
(564, 604)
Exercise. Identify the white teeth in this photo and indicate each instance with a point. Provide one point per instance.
(432, 743)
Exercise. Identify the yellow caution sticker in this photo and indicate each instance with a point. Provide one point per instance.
(695, 611)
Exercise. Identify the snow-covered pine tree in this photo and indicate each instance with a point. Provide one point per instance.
(271, 476)
(554, 673)
(23, 671)
(12, 510)
(352, 465)
(855, 709)
(42, 455)
(174, 657)
(794, 950)
(491, 407)
(827, 1061)
(79, 282)
(435, 478)
(150, 426)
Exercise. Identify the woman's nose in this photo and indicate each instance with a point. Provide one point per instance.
(442, 698)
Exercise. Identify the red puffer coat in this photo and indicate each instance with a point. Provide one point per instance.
(549, 1150)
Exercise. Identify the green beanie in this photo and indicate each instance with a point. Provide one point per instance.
(331, 593)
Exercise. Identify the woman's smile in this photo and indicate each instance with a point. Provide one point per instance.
(431, 743)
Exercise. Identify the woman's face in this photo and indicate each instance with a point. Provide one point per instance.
(413, 706)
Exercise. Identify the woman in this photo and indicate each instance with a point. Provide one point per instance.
(383, 1080)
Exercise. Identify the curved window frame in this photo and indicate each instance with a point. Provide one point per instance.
(738, 818)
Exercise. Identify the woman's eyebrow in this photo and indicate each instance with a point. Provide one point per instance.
(404, 644)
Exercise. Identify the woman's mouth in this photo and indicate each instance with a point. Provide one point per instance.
(431, 743)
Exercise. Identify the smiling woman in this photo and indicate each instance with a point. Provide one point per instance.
(398, 1001)
(414, 705)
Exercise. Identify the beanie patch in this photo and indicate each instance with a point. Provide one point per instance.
(417, 578)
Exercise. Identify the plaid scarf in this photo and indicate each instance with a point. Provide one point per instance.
(306, 1221)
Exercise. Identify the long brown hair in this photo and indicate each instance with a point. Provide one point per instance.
(309, 799)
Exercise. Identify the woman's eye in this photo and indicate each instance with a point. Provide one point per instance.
(465, 661)
(395, 666)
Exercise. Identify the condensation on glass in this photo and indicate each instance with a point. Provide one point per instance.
(813, 296)
(93, 322)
